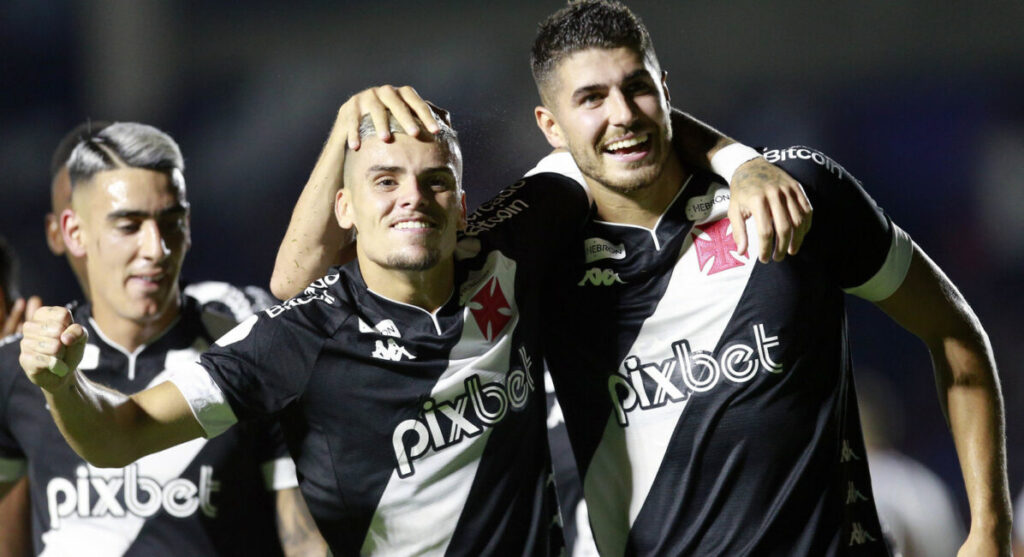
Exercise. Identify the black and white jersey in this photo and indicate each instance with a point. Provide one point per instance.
(205, 497)
(412, 432)
(709, 398)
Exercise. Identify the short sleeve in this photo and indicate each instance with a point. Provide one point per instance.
(862, 249)
(264, 363)
(536, 218)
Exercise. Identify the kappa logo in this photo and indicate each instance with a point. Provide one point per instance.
(490, 309)
(600, 277)
(391, 351)
(596, 249)
(718, 246)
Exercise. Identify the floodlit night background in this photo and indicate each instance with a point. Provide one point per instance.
(923, 101)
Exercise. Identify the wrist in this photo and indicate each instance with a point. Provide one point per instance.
(728, 159)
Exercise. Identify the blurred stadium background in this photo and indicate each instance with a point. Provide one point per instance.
(921, 100)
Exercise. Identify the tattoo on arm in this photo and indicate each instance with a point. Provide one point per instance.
(299, 534)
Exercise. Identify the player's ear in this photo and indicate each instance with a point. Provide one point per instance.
(549, 126)
(54, 237)
(72, 232)
(462, 214)
(343, 208)
(664, 86)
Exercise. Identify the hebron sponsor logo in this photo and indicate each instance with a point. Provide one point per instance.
(596, 249)
(89, 496)
(444, 423)
(648, 385)
(317, 290)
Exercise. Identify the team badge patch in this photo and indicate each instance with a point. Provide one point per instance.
(714, 243)
(490, 309)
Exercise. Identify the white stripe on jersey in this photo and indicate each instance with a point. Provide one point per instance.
(696, 308)
(115, 530)
(418, 514)
(890, 276)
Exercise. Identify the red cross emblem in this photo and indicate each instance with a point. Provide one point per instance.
(491, 309)
(719, 247)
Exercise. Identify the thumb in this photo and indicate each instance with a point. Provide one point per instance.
(74, 339)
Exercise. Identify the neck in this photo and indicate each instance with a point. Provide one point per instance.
(642, 206)
(130, 334)
(427, 289)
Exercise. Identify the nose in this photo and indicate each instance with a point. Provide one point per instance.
(622, 111)
(411, 193)
(152, 244)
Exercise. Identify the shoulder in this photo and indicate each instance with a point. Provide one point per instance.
(221, 297)
(326, 303)
(807, 164)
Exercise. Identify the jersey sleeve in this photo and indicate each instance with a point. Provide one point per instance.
(861, 248)
(539, 216)
(264, 363)
(277, 466)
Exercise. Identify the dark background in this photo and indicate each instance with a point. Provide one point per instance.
(921, 100)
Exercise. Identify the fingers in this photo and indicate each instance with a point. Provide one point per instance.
(800, 216)
(783, 227)
(34, 303)
(739, 227)
(52, 345)
(404, 103)
(14, 319)
(763, 223)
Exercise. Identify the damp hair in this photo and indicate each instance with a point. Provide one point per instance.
(582, 25)
(126, 145)
(79, 133)
(447, 136)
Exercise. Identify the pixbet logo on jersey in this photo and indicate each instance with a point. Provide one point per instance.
(142, 496)
(449, 422)
(646, 386)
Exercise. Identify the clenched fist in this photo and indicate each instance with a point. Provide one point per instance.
(51, 347)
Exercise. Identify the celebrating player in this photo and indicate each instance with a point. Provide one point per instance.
(404, 381)
(123, 204)
(708, 398)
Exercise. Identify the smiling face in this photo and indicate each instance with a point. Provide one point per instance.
(405, 201)
(132, 227)
(609, 108)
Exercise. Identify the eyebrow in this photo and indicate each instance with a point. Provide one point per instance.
(401, 169)
(639, 73)
(174, 210)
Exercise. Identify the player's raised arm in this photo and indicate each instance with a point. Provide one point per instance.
(314, 241)
(777, 202)
(929, 305)
(105, 427)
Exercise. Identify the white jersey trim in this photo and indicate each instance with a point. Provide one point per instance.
(561, 163)
(12, 469)
(280, 474)
(205, 399)
(893, 271)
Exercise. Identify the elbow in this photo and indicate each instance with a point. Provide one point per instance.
(281, 287)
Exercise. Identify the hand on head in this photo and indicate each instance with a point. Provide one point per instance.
(405, 105)
(51, 347)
